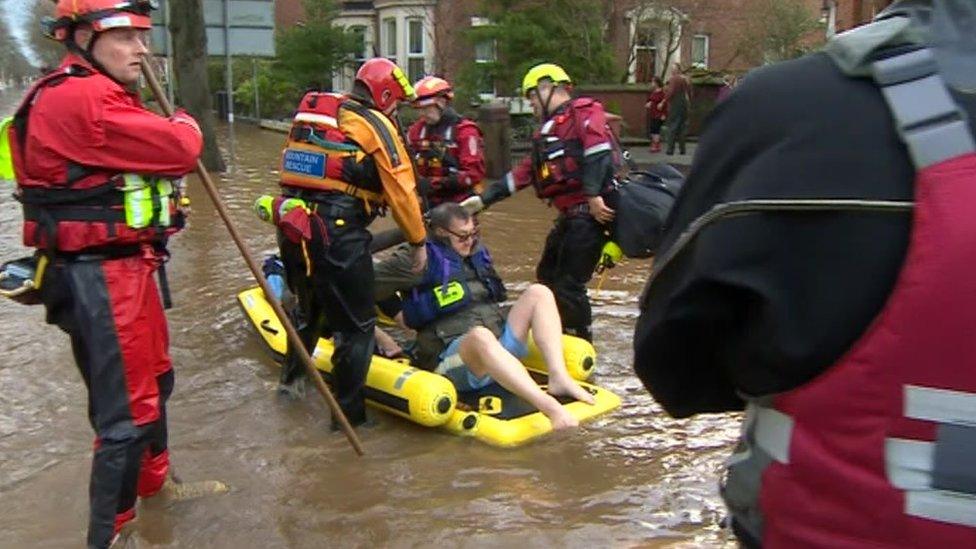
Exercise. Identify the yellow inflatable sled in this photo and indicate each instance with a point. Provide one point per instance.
(493, 415)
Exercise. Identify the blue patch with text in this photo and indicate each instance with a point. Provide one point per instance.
(304, 163)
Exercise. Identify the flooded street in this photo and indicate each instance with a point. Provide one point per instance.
(632, 478)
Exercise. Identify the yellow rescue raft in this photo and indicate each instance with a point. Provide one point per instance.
(493, 415)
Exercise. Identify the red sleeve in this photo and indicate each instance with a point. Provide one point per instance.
(594, 133)
(471, 154)
(132, 139)
(413, 135)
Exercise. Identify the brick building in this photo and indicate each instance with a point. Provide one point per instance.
(648, 36)
(423, 36)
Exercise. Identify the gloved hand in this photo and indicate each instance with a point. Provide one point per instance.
(496, 191)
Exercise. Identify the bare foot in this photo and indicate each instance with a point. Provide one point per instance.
(561, 419)
(571, 389)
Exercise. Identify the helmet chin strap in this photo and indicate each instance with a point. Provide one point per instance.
(545, 104)
(87, 54)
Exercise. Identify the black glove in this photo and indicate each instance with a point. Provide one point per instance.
(424, 186)
(495, 192)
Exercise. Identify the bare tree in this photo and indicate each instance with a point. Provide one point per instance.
(48, 51)
(776, 30)
(190, 65)
(15, 66)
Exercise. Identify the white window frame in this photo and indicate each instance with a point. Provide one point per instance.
(422, 54)
(639, 47)
(389, 44)
(484, 22)
(639, 16)
(361, 56)
(706, 47)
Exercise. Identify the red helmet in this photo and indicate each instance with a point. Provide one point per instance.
(429, 88)
(386, 83)
(102, 15)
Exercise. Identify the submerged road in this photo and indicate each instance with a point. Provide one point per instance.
(635, 477)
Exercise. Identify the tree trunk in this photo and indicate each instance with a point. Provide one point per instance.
(190, 68)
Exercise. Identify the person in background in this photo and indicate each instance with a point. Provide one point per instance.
(677, 102)
(656, 113)
(448, 148)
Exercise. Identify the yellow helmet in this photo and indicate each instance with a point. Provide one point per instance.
(549, 71)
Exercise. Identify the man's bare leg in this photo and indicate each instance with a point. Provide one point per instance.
(483, 354)
(536, 309)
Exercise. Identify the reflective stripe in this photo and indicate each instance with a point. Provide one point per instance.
(547, 126)
(6, 156)
(113, 22)
(510, 183)
(449, 294)
(773, 432)
(423, 131)
(909, 465)
(951, 507)
(317, 118)
(940, 405)
(598, 148)
(146, 201)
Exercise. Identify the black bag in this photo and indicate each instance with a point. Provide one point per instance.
(643, 202)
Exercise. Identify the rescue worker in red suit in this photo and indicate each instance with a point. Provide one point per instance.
(571, 166)
(818, 271)
(96, 175)
(345, 160)
(448, 148)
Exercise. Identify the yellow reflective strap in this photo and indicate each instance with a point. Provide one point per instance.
(137, 201)
(6, 156)
(164, 196)
(146, 198)
(449, 294)
(404, 83)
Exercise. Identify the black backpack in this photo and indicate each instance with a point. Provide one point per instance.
(643, 202)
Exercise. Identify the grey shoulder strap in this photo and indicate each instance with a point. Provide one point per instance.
(928, 119)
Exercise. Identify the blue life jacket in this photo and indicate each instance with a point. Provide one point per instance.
(274, 271)
(445, 288)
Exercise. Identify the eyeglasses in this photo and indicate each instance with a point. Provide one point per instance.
(464, 237)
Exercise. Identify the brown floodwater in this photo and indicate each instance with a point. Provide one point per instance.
(632, 478)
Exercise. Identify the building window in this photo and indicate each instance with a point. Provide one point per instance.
(699, 51)
(389, 38)
(645, 53)
(360, 56)
(484, 57)
(415, 49)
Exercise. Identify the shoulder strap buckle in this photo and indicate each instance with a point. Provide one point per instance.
(928, 119)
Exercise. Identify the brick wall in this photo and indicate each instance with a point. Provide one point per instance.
(288, 12)
(628, 101)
